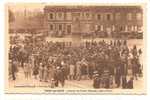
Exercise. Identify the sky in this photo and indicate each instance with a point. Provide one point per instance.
(22, 6)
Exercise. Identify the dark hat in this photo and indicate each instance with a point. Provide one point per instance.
(131, 78)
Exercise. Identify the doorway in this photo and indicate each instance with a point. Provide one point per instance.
(68, 29)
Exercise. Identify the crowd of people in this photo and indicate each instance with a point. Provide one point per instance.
(100, 34)
(106, 63)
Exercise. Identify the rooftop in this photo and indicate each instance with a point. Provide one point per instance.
(92, 8)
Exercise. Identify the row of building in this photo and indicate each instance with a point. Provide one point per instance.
(93, 19)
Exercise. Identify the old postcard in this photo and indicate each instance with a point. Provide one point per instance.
(75, 48)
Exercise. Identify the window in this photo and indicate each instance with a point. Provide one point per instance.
(129, 16)
(68, 16)
(118, 16)
(135, 28)
(132, 28)
(99, 17)
(59, 15)
(51, 16)
(60, 27)
(78, 14)
(108, 17)
(69, 29)
(113, 27)
(51, 27)
(87, 15)
(101, 27)
(139, 28)
(138, 16)
(126, 28)
(121, 28)
(129, 28)
(96, 27)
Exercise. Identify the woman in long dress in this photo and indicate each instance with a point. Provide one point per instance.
(45, 73)
(25, 66)
(41, 70)
(72, 71)
(35, 71)
(29, 69)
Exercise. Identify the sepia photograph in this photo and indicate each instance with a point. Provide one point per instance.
(75, 48)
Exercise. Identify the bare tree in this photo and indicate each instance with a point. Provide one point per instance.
(11, 16)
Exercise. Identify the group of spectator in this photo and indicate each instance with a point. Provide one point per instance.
(106, 63)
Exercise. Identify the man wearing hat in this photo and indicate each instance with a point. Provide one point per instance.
(130, 83)
(78, 70)
(96, 81)
(118, 76)
(13, 69)
(59, 77)
(41, 70)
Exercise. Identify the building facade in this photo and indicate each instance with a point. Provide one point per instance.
(104, 20)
